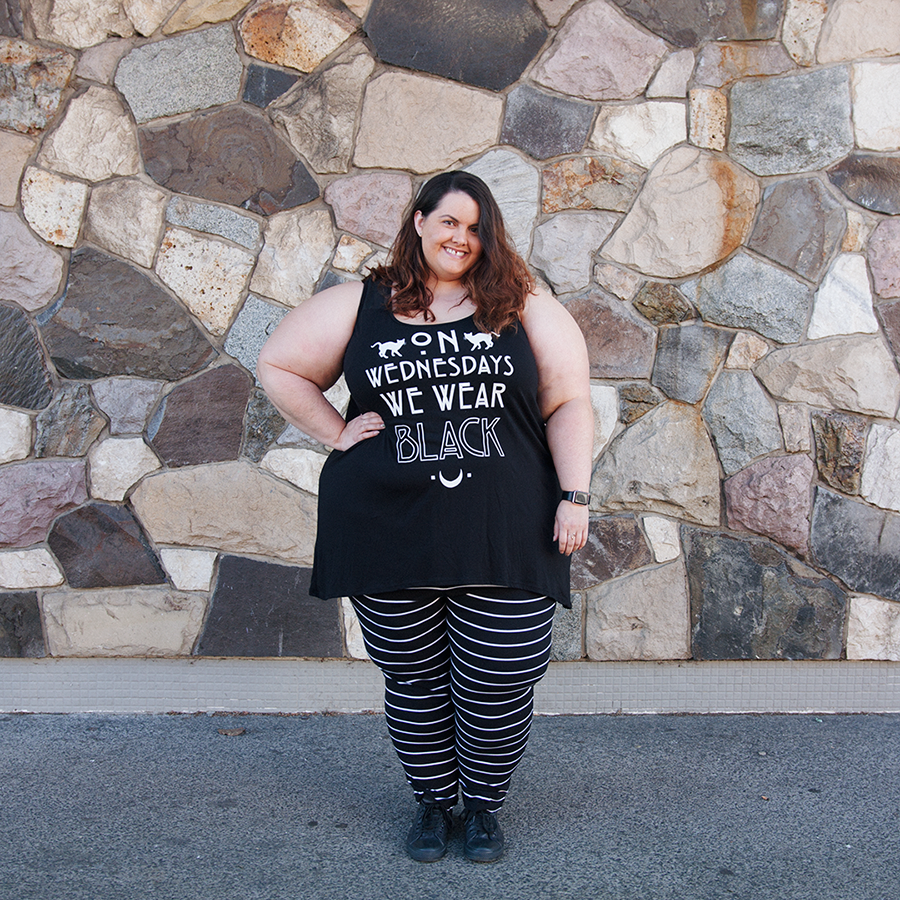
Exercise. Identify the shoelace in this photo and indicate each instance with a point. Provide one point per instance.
(482, 820)
(430, 817)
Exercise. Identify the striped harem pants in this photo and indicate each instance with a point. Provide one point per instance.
(459, 665)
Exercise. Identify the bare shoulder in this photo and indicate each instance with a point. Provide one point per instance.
(544, 317)
(340, 300)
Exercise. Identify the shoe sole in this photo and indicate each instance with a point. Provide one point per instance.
(426, 855)
(491, 856)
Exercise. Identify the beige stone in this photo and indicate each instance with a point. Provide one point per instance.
(875, 90)
(880, 483)
(148, 15)
(231, 507)
(118, 463)
(640, 133)
(642, 615)
(53, 206)
(854, 373)
(803, 21)
(605, 404)
(301, 467)
(79, 23)
(15, 150)
(422, 124)
(127, 217)
(209, 276)
(554, 11)
(30, 271)
(746, 350)
(358, 7)
(873, 628)
(860, 226)
(99, 63)
(353, 639)
(194, 13)
(860, 28)
(137, 621)
(190, 570)
(27, 569)
(709, 118)
(298, 34)
(794, 421)
(694, 210)
(646, 468)
(15, 435)
(663, 536)
(298, 244)
(619, 282)
(351, 254)
(673, 76)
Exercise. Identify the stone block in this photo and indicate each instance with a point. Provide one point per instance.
(619, 282)
(590, 182)
(641, 133)
(543, 125)
(124, 622)
(794, 419)
(181, 74)
(98, 63)
(564, 247)
(264, 609)
(840, 445)
(873, 629)
(871, 181)
(126, 217)
(857, 543)
(881, 467)
(643, 468)
(239, 227)
(855, 28)
(264, 85)
(619, 344)
(353, 639)
(662, 304)
(101, 545)
(843, 303)
(751, 600)
(253, 325)
(15, 150)
(194, 13)
(723, 62)
(69, 425)
(126, 402)
(350, 254)
(190, 570)
(889, 316)
(24, 379)
(298, 466)
(708, 114)
(231, 507)
(694, 210)
(884, 258)
(687, 359)
(417, 123)
(117, 464)
(15, 435)
(615, 545)
(78, 23)
(672, 77)
(30, 271)
(803, 21)
(371, 206)
(53, 206)
(663, 537)
(28, 569)
(599, 54)
(34, 78)
(643, 615)
(746, 350)
(568, 630)
(148, 15)
(21, 634)
(636, 399)
(876, 118)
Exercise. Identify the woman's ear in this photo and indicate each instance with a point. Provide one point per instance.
(418, 219)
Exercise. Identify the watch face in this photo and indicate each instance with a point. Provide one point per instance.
(581, 498)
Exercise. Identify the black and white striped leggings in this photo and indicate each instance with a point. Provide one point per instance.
(459, 665)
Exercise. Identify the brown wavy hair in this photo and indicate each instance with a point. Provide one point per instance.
(497, 284)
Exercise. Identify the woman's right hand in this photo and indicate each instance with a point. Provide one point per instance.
(359, 429)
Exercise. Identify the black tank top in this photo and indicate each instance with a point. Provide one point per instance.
(459, 488)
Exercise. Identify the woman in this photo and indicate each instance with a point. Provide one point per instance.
(456, 492)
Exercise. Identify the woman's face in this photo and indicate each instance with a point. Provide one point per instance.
(449, 236)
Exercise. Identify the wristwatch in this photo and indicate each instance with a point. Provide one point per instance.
(581, 498)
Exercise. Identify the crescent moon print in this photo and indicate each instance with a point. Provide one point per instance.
(453, 483)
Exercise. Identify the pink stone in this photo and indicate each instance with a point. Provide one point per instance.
(884, 258)
(773, 497)
(33, 494)
(370, 206)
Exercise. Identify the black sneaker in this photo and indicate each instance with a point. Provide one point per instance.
(484, 839)
(427, 838)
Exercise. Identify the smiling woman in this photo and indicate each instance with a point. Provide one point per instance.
(455, 495)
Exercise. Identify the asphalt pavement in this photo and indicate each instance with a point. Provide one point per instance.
(757, 807)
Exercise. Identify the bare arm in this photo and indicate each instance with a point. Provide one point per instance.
(304, 356)
(565, 402)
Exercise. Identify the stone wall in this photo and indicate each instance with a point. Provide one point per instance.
(712, 189)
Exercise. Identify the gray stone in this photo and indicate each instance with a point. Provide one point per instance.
(69, 425)
(742, 419)
(687, 359)
(751, 294)
(456, 39)
(800, 226)
(889, 316)
(227, 223)
(24, 379)
(871, 181)
(21, 634)
(662, 303)
(644, 468)
(115, 321)
(564, 247)
(620, 345)
(590, 182)
(637, 399)
(543, 125)
(687, 23)
(265, 84)
(33, 494)
(181, 74)
(568, 637)
(255, 322)
(751, 600)
(126, 402)
(793, 124)
(11, 18)
(615, 545)
(262, 425)
(854, 373)
(858, 543)
(33, 79)
(643, 615)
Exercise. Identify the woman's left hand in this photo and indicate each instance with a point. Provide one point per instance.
(570, 527)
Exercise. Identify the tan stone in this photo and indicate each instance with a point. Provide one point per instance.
(118, 463)
(208, 276)
(794, 421)
(672, 78)
(298, 244)
(15, 150)
(620, 282)
(231, 507)
(298, 34)
(663, 537)
(127, 217)
(873, 629)
(299, 466)
(663, 463)
(148, 15)
(190, 570)
(708, 118)
(746, 350)
(15, 435)
(26, 569)
(194, 13)
(79, 23)
(351, 254)
(138, 621)
(803, 21)
(358, 7)
(99, 63)
(642, 615)
(694, 210)
(860, 226)
(53, 206)
(422, 124)
(860, 28)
